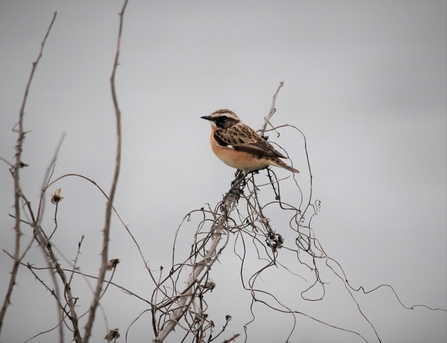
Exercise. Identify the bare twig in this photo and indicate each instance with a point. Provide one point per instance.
(15, 170)
(109, 206)
(231, 339)
(47, 179)
(201, 268)
(116, 212)
(78, 272)
(271, 111)
(52, 260)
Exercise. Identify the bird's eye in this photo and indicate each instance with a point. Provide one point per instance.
(223, 118)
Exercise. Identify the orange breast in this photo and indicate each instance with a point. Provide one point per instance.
(237, 159)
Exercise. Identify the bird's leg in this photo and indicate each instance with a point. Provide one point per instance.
(239, 174)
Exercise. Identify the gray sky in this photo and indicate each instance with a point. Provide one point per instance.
(365, 82)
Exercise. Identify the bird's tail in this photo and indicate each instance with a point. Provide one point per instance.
(284, 165)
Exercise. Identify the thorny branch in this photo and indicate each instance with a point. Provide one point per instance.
(34, 220)
(109, 206)
(204, 253)
(15, 171)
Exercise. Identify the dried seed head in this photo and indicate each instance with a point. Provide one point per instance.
(112, 263)
(56, 196)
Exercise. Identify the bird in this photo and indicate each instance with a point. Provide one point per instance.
(239, 146)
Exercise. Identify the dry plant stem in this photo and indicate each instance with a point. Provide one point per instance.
(78, 272)
(106, 231)
(218, 228)
(232, 338)
(47, 250)
(116, 212)
(15, 170)
(52, 260)
(44, 332)
(47, 178)
(272, 110)
(177, 314)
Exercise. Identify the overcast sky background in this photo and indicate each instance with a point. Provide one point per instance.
(365, 82)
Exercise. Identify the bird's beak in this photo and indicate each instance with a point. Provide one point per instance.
(207, 118)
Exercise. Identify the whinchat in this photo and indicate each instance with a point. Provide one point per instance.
(239, 146)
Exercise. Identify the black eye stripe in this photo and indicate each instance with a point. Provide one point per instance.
(224, 121)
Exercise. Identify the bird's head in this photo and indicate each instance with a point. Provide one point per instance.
(222, 119)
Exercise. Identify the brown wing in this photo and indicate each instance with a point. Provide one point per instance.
(243, 138)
